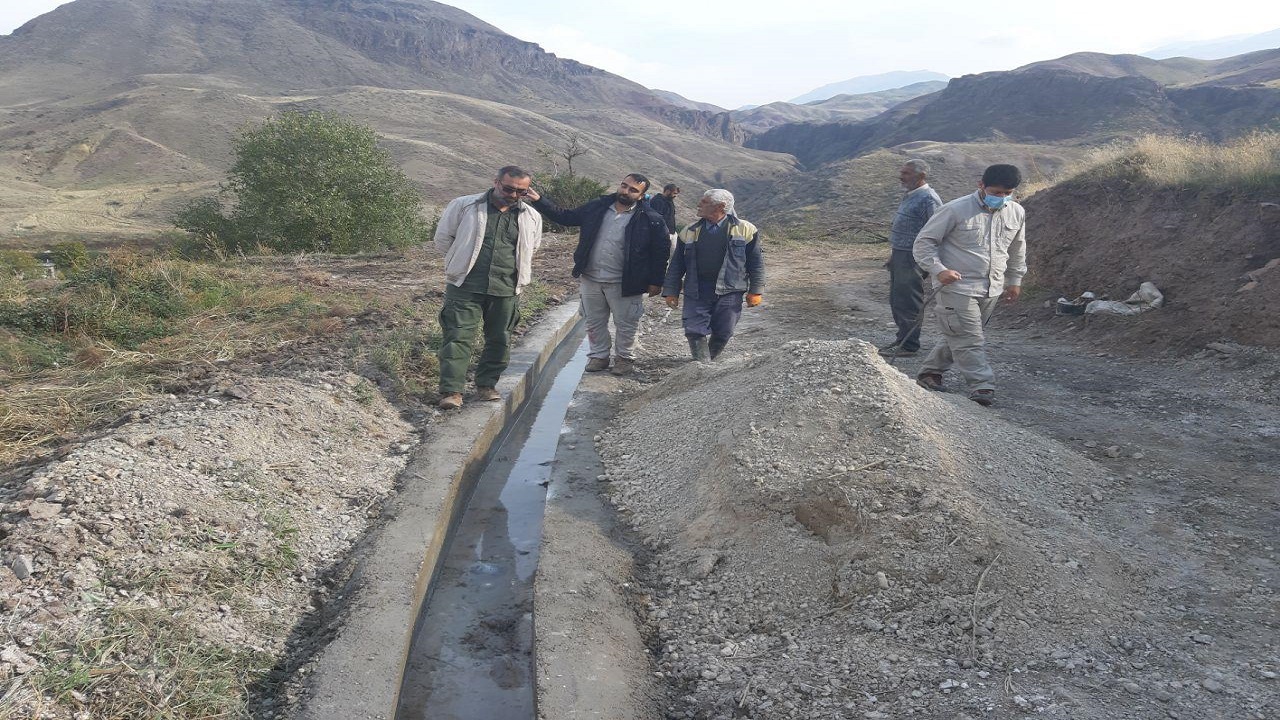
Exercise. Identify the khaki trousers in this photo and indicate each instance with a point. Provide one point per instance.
(963, 345)
(602, 301)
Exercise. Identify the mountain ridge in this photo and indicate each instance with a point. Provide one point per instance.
(1109, 96)
(863, 84)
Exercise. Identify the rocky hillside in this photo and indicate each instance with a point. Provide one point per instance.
(847, 107)
(114, 111)
(1081, 97)
(293, 45)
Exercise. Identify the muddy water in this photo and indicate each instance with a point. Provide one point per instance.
(472, 650)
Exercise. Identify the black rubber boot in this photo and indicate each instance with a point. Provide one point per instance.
(698, 348)
(716, 346)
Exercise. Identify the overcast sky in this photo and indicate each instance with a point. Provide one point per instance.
(758, 51)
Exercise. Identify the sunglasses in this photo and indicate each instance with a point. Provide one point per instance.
(507, 189)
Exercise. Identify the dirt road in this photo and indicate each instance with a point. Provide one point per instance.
(1130, 547)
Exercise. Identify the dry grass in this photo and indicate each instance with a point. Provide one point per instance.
(126, 325)
(1249, 162)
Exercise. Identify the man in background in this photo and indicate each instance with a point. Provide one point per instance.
(906, 286)
(665, 205)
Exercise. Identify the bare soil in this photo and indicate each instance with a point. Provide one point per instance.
(825, 539)
(1208, 252)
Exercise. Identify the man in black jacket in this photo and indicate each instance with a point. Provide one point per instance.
(622, 254)
(665, 205)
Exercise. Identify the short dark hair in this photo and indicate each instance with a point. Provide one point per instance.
(637, 177)
(670, 186)
(515, 172)
(1005, 176)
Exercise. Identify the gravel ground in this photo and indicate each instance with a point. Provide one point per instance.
(188, 548)
(830, 540)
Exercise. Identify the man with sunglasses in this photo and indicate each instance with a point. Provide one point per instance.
(621, 255)
(488, 241)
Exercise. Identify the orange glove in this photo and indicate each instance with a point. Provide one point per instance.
(754, 300)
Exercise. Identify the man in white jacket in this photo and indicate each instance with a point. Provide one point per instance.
(488, 241)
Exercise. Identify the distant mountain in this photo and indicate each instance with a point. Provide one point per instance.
(868, 84)
(684, 102)
(113, 111)
(1219, 47)
(1085, 97)
(838, 108)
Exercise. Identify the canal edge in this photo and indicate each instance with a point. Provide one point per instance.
(358, 673)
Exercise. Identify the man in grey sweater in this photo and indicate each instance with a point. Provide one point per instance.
(975, 247)
(906, 286)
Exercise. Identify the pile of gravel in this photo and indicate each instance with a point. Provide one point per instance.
(832, 541)
(193, 539)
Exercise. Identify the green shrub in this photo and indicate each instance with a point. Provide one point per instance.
(570, 191)
(308, 182)
(69, 256)
(19, 262)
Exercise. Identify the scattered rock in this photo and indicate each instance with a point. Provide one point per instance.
(22, 567)
(43, 510)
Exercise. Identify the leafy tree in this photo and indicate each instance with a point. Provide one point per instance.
(310, 182)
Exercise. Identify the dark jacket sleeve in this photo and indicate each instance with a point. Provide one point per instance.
(755, 265)
(675, 272)
(659, 252)
(568, 218)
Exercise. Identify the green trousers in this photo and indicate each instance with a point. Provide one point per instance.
(462, 314)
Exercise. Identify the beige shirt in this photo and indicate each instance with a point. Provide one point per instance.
(988, 249)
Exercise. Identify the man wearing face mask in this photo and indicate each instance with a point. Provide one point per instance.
(621, 255)
(975, 248)
(488, 241)
(906, 287)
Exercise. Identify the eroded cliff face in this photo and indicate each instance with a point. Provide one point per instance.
(289, 46)
(1215, 254)
(461, 54)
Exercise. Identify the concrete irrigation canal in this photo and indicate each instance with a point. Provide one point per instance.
(458, 554)
(472, 650)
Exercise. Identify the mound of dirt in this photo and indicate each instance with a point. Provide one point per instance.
(1208, 252)
(184, 554)
(833, 541)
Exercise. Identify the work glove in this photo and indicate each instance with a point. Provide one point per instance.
(673, 301)
(754, 299)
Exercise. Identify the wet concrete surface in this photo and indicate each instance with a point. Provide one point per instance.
(472, 650)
